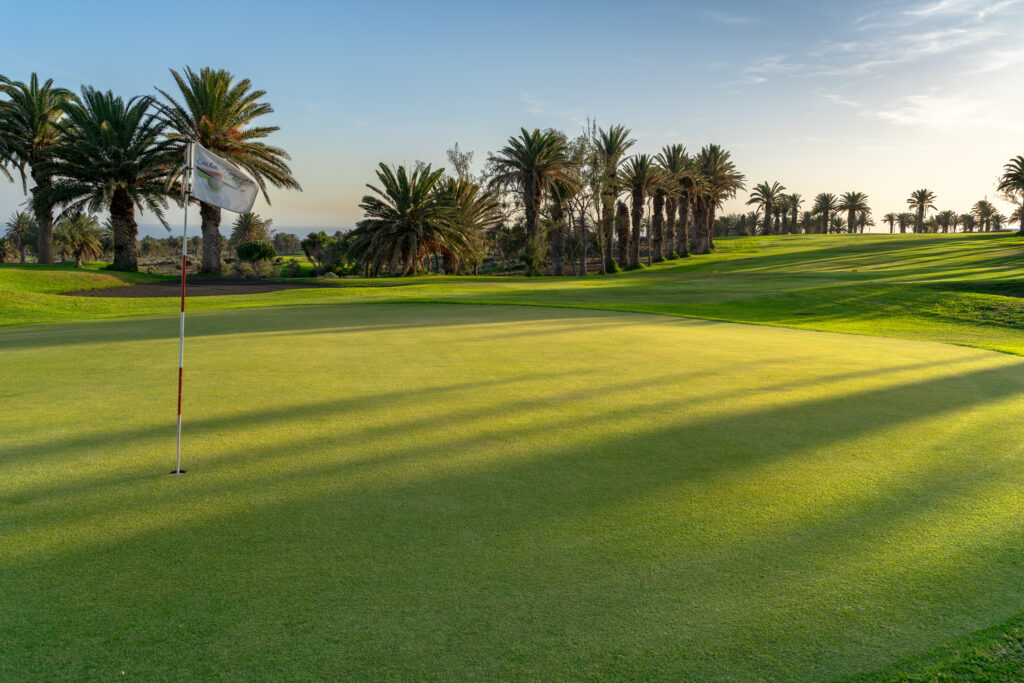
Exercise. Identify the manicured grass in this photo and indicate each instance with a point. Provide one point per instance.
(948, 288)
(469, 492)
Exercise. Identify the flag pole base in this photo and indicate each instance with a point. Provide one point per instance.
(177, 472)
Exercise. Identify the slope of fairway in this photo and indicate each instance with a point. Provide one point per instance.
(454, 492)
(961, 289)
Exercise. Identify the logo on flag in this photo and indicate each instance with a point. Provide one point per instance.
(221, 183)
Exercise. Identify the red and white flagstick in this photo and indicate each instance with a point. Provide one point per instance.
(184, 269)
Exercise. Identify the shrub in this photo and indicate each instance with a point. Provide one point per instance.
(634, 266)
(255, 252)
(293, 268)
(242, 269)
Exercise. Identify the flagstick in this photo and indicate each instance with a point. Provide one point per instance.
(184, 270)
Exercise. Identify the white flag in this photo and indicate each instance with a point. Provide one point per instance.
(219, 182)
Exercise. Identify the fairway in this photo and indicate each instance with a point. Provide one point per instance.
(446, 492)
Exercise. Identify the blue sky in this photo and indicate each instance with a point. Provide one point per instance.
(883, 97)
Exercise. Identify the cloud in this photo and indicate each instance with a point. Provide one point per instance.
(974, 8)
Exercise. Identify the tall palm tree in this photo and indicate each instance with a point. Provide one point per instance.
(640, 177)
(622, 230)
(719, 180)
(218, 111)
(79, 236)
(920, 201)
(29, 133)
(890, 218)
(656, 244)
(532, 164)
(853, 203)
(674, 161)
(113, 157)
(794, 201)
(560, 195)
(612, 145)
(968, 221)
(906, 219)
(1012, 181)
(825, 205)
(766, 196)
(404, 219)
(1018, 217)
(19, 227)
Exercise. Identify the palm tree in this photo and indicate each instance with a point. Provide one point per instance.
(838, 224)
(983, 211)
(945, 219)
(1018, 217)
(967, 220)
(905, 220)
(825, 205)
(19, 227)
(1012, 181)
(29, 132)
(766, 197)
(612, 145)
(217, 112)
(113, 157)
(247, 227)
(920, 201)
(79, 236)
(890, 218)
(410, 216)
(475, 212)
(674, 162)
(531, 164)
(853, 203)
(640, 177)
(719, 180)
(794, 202)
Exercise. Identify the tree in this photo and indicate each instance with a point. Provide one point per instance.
(766, 197)
(8, 249)
(983, 211)
(461, 162)
(1018, 217)
(20, 227)
(217, 112)
(825, 205)
(640, 177)
(28, 135)
(890, 218)
(717, 180)
(853, 203)
(531, 164)
(967, 220)
(1011, 182)
(255, 252)
(249, 227)
(794, 201)
(945, 219)
(112, 157)
(675, 164)
(612, 145)
(905, 219)
(920, 201)
(79, 236)
(475, 212)
(287, 243)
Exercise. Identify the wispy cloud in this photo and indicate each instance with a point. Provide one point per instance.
(976, 8)
(534, 105)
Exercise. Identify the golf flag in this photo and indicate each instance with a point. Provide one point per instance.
(219, 182)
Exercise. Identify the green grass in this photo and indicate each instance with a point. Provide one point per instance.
(436, 492)
(947, 288)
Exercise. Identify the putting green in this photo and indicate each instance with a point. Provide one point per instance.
(450, 492)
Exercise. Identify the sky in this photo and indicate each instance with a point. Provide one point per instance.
(883, 97)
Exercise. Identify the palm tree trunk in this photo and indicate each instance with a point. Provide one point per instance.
(213, 241)
(710, 227)
(683, 228)
(766, 227)
(557, 238)
(637, 216)
(622, 229)
(126, 231)
(582, 228)
(670, 225)
(658, 227)
(700, 222)
(44, 218)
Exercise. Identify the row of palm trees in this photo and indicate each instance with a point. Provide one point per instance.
(558, 186)
(96, 152)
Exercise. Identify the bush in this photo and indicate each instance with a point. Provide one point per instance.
(242, 269)
(634, 266)
(293, 268)
(613, 267)
(255, 252)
